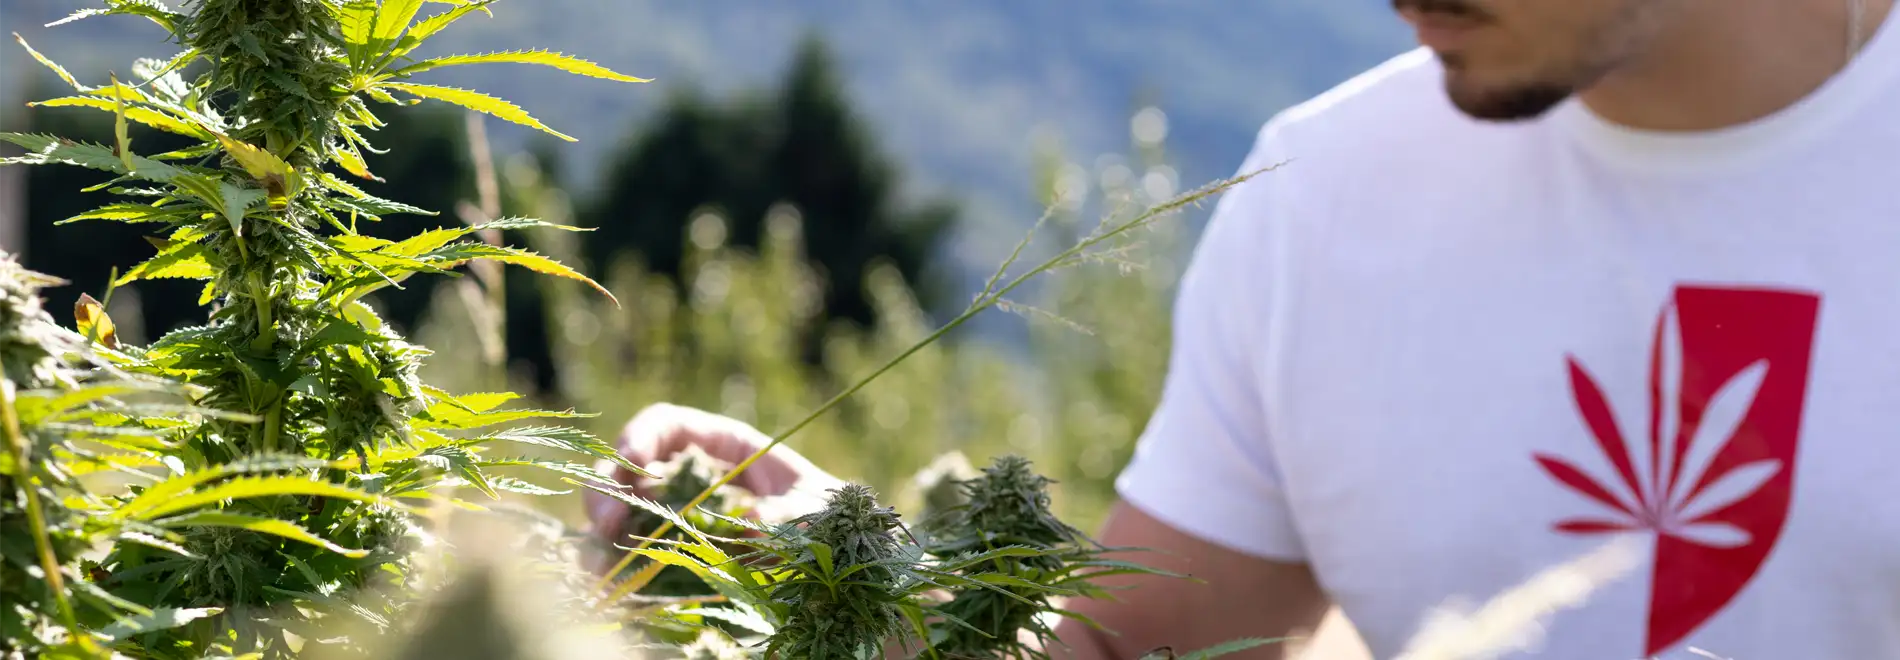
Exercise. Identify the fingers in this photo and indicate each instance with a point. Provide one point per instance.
(782, 478)
(663, 430)
(660, 431)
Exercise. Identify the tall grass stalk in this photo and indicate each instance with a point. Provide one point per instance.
(991, 296)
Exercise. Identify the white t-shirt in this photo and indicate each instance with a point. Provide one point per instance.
(1434, 357)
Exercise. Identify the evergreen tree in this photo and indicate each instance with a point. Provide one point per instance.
(802, 145)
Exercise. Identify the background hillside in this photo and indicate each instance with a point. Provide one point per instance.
(958, 92)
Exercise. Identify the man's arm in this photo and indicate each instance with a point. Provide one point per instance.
(1236, 595)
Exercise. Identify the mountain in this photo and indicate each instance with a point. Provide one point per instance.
(957, 91)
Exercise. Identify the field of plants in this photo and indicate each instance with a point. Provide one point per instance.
(294, 478)
(291, 476)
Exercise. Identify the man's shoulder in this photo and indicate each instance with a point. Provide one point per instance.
(1398, 103)
(1373, 161)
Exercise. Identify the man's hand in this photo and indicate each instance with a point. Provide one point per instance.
(1237, 596)
(787, 484)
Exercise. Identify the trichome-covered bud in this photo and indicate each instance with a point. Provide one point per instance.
(833, 617)
(282, 56)
(31, 343)
(1007, 505)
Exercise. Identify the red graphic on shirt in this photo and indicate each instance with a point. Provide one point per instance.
(1728, 378)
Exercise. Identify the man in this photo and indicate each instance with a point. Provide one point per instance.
(1575, 271)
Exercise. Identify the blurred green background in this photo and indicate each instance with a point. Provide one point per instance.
(790, 213)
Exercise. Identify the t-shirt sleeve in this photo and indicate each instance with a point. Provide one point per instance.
(1204, 463)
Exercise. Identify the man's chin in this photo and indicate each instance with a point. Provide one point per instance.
(1504, 103)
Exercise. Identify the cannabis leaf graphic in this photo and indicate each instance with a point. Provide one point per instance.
(1667, 489)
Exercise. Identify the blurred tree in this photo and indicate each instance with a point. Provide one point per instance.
(800, 145)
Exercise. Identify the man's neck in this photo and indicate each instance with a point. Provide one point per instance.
(1728, 63)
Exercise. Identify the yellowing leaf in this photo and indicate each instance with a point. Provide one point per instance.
(119, 130)
(123, 212)
(91, 318)
(473, 403)
(246, 487)
(180, 261)
(424, 242)
(57, 69)
(110, 462)
(356, 18)
(203, 187)
(260, 164)
(146, 116)
(476, 101)
(456, 419)
(352, 161)
(560, 61)
(171, 488)
(332, 182)
(429, 26)
(461, 253)
(258, 524)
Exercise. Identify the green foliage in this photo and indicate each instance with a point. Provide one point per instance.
(70, 417)
(314, 475)
(744, 310)
(1008, 506)
(682, 478)
(843, 579)
(291, 497)
(730, 337)
(851, 581)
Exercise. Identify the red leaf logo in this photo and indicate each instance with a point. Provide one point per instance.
(1727, 382)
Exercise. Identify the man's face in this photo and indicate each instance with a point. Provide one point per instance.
(1515, 59)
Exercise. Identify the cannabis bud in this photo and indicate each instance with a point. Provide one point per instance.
(1007, 506)
(31, 343)
(843, 601)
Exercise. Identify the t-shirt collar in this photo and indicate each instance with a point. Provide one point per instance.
(1743, 144)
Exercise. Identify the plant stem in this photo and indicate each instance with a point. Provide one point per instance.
(35, 519)
(985, 301)
(273, 422)
(266, 331)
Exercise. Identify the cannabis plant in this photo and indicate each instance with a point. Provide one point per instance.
(286, 505)
(851, 580)
(319, 390)
(834, 583)
(71, 419)
(1008, 506)
(42, 531)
